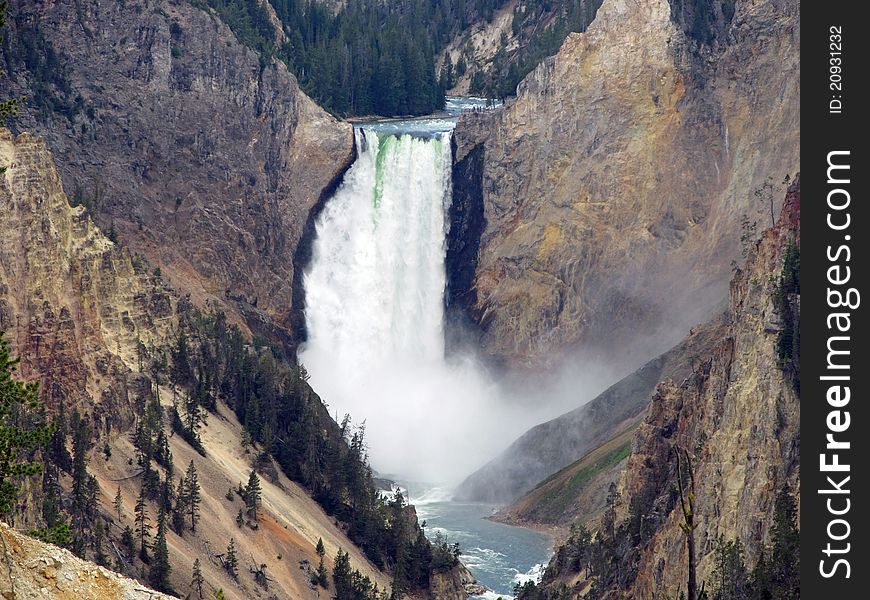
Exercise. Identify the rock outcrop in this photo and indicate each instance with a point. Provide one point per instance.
(74, 304)
(32, 569)
(615, 184)
(201, 155)
(740, 416)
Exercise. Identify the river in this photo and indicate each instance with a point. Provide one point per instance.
(500, 556)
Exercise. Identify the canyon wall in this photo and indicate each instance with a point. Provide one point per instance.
(736, 417)
(73, 304)
(199, 154)
(81, 312)
(739, 417)
(615, 184)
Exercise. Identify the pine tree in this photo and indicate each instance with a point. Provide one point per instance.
(182, 372)
(179, 514)
(128, 542)
(342, 577)
(321, 576)
(253, 495)
(265, 443)
(197, 580)
(119, 503)
(785, 548)
(57, 451)
(191, 486)
(143, 527)
(84, 486)
(232, 562)
(160, 567)
(16, 439)
(99, 555)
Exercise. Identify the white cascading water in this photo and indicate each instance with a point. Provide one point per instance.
(376, 287)
(374, 297)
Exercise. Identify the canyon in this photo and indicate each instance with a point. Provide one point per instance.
(162, 172)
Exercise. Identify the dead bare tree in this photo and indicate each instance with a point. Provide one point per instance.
(687, 503)
(259, 573)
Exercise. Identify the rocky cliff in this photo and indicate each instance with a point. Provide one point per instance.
(740, 416)
(79, 310)
(199, 154)
(74, 304)
(737, 416)
(615, 185)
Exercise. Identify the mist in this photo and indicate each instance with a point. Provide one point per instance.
(437, 421)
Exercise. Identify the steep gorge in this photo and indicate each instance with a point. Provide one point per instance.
(82, 313)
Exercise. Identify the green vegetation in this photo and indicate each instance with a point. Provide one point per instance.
(369, 58)
(375, 57)
(787, 303)
(22, 429)
(554, 497)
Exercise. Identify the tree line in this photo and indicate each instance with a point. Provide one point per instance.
(367, 58)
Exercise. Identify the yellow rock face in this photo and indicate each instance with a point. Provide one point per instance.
(72, 303)
(615, 184)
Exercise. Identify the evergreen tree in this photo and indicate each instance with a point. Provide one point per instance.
(196, 580)
(342, 578)
(191, 486)
(179, 514)
(57, 450)
(182, 372)
(19, 435)
(160, 567)
(128, 542)
(785, 551)
(99, 554)
(729, 571)
(84, 486)
(321, 576)
(119, 503)
(232, 562)
(253, 496)
(143, 527)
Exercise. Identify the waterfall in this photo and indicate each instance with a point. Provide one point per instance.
(375, 291)
(374, 297)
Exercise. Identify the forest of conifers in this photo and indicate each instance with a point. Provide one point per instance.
(370, 57)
